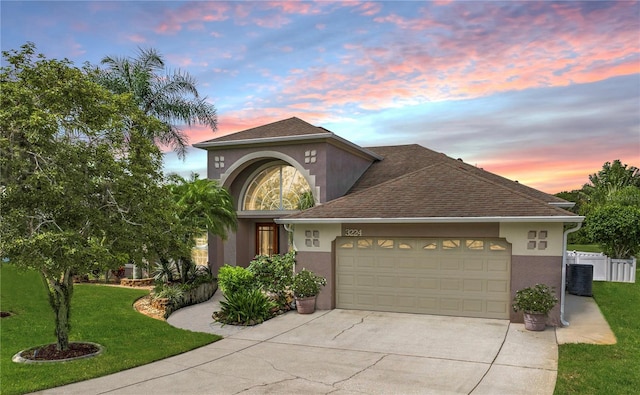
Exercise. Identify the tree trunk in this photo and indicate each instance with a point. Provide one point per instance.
(60, 292)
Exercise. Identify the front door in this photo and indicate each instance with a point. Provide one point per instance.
(266, 239)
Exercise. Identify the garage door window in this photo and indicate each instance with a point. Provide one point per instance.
(450, 245)
(497, 246)
(346, 245)
(405, 246)
(475, 245)
(365, 243)
(430, 245)
(385, 244)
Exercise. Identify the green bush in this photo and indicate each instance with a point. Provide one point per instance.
(245, 307)
(171, 292)
(164, 272)
(537, 299)
(274, 274)
(233, 279)
(306, 284)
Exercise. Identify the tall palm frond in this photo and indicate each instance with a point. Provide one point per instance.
(171, 97)
(204, 206)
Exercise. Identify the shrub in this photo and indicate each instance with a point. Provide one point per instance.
(274, 274)
(172, 292)
(306, 284)
(245, 307)
(233, 279)
(537, 299)
(165, 271)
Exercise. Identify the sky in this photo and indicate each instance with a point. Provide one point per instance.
(539, 92)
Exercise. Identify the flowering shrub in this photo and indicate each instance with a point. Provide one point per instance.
(537, 299)
(274, 274)
(306, 284)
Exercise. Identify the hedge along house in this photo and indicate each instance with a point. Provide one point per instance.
(395, 228)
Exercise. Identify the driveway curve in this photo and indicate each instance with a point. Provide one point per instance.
(347, 352)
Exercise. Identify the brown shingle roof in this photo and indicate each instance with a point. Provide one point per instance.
(403, 159)
(397, 161)
(445, 189)
(285, 128)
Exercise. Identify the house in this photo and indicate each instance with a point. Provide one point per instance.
(395, 228)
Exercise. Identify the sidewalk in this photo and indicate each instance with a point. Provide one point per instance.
(586, 323)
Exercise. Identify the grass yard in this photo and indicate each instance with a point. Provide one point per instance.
(590, 369)
(584, 247)
(99, 314)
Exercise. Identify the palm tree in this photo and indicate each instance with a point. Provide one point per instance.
(202, 207)
(170, 97)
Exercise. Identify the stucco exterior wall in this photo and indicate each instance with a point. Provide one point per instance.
(323, 264)
(423, 230)
(329, 179)
(316, 237)
(535, 238)
(530, 270)
(342, 171)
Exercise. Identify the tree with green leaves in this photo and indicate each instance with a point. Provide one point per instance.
(609, 183)
(608, 202)
(611, 205)
(170, 97)
(81, 185)
(616, 228)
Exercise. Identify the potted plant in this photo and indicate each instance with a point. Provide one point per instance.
(306, 286)
(535, 302)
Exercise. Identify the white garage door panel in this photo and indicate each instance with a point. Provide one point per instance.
(449, 276)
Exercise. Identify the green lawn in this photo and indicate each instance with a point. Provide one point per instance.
(584, 247)
(99, 314)
(590, 369)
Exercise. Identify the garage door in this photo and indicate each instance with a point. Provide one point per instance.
(447, 276)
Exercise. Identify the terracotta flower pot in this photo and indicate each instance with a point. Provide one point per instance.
(306, 305)
(535, 321)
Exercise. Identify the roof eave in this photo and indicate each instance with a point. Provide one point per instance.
(562, 204)
(425, 220)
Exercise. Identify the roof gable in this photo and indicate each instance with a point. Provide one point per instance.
(285, 128)
(288, 131)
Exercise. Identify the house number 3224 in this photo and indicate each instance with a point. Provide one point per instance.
(353, 232)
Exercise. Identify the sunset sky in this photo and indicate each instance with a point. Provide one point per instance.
(540, 92)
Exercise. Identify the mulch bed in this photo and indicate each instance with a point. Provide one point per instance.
(50, 352)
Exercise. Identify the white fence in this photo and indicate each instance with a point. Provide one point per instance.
(605, 268)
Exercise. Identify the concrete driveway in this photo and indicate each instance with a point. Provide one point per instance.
(349, 352)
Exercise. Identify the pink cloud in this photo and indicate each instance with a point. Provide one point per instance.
(192, 15)
(463, 62)
(296, 7)
(370, 8)
(81, 26)
(552, 169)
(137, 38)
(272, 21)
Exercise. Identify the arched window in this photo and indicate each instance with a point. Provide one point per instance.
(277, 187)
